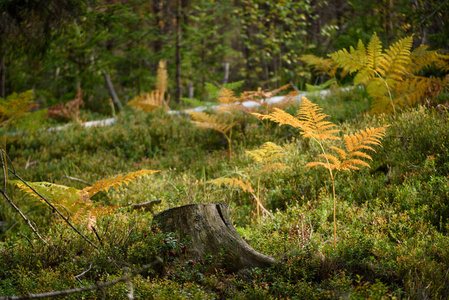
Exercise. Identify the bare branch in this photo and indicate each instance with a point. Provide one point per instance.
(125, 278)
(54, 209)
(79, 180)
(23, 216)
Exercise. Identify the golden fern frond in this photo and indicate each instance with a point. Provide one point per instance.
(218, 123)
(162, 77)
(273, 167)
(396, 60)
(342, 153)
(331, 158)
(289, 99)
(351, 164)
(413, 90)
(356, 143)
(106, 184)
(311, 122)
(233, 183)
(226, 96)
(150, 101)
(266, 153)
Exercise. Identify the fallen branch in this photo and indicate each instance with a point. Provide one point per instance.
(125, 279)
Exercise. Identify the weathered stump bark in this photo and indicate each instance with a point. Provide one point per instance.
(211, 232)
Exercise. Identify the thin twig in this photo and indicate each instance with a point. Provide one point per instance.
(55, 209)
(79, 180)
(29, 241)
(79, 275)
(96, 234)
(130, 294)
(125, 278)
(23, 216)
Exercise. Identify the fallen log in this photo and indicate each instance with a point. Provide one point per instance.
(211, 232)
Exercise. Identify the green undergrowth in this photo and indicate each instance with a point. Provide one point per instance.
(392, 218)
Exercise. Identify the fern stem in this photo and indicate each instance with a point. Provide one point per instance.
(333, 189)
(389, 92)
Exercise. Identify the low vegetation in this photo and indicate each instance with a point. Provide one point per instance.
(391, 219)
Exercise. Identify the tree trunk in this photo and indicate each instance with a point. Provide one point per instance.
(111, 90)
(178, 52)
(211, 232)
(3, 77)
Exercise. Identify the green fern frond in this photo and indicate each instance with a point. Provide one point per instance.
(15, 106)
(396, 60)
(374, 56)
(266, 153)
(352, 60)
(325, 66)
(423, 58)
(233, 183)
(106, 184)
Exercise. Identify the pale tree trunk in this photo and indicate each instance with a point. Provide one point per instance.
(178, 52)
(3, 77)
(211, 232)
(111, 90)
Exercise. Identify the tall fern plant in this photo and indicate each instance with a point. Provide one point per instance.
(392, 76)
(311, 122)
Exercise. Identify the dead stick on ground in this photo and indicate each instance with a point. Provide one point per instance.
(125, 278)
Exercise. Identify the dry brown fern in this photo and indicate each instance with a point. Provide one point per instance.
(69, 110)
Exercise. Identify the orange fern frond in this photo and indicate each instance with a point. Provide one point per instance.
(106, 184)
(233, 183)
(281, 117)
(275, 167)
(312, 122)
(218, 123)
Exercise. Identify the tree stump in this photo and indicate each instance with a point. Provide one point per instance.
(211, 232)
